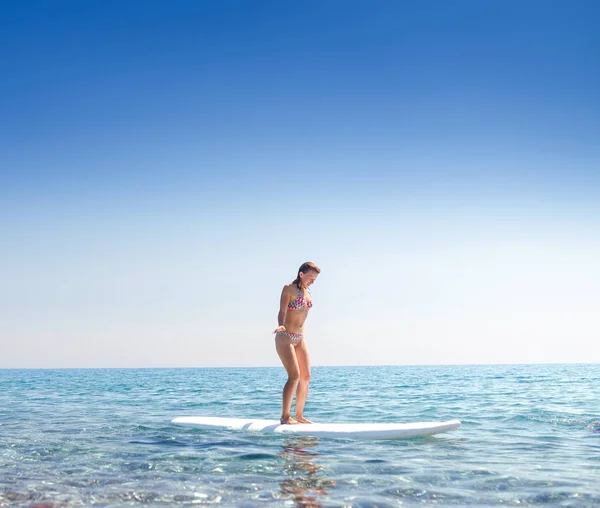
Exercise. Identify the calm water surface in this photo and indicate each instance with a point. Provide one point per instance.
(530, 436)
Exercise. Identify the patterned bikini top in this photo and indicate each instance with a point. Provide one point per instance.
(300, 303)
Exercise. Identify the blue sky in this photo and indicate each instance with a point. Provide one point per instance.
(166, 166)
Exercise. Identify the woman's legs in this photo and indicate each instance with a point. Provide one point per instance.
(287, 354)
(302, 392)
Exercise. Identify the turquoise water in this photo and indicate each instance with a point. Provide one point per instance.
(530, 436)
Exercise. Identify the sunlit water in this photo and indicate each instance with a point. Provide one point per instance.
(530, 436)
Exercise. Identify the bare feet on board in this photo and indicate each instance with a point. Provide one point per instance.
(288, 421)
(301, 419)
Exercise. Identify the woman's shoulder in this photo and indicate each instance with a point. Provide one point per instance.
(290, 288)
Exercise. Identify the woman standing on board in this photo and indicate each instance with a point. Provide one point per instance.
(289, 340)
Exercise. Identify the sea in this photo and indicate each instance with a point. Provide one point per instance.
(530, 436)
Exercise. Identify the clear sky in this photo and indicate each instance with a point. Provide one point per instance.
(165, 167)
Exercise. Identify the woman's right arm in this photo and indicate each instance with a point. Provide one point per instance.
(283, 306)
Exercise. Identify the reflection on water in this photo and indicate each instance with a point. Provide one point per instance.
(304, 482)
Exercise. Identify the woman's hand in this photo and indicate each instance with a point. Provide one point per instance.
(279, 329)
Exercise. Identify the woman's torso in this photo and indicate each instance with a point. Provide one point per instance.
(298, 306)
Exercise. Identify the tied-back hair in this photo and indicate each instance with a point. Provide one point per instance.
(304, 268)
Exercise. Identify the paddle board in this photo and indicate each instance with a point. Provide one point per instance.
(335, 430)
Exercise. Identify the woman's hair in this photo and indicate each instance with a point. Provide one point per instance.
(304, 268)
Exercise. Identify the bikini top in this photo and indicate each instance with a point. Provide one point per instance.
(300, 303)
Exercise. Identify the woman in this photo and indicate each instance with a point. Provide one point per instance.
(289, 341)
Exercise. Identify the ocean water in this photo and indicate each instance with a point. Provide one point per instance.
(530, 436)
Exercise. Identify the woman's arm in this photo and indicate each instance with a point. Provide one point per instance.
(283, 307)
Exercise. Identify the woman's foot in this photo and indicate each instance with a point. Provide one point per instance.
(288, 421)
(301, 419)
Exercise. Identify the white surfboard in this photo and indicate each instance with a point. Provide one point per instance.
(336, 430)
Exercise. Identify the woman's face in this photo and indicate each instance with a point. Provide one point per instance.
(306, 279)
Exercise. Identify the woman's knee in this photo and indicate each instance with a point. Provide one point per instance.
(293, 377)
(305, 377)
